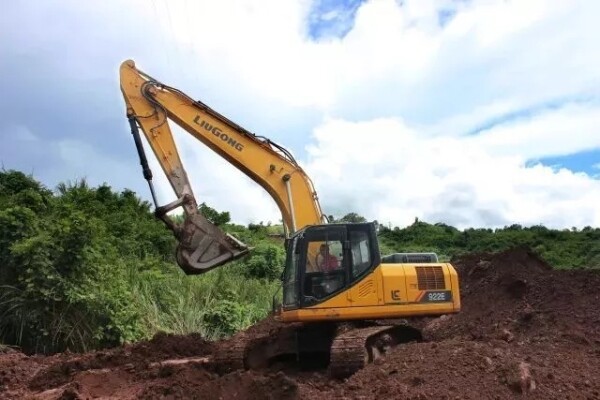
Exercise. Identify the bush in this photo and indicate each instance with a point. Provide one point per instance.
(64, 264)
(88, 267)
(265, 262)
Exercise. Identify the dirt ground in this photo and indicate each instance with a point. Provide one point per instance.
(525, 331)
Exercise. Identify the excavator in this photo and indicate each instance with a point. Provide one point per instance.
(337, 289)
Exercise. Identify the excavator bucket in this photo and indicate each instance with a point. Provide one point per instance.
(203, 246)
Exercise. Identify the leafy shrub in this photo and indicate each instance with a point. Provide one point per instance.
(214, 216)
(63, 265)
(265, 262)
(225, 317)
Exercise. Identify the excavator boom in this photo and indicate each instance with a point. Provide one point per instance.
(202, 245)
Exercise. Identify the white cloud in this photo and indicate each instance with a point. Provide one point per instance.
(492, 59)
(568, 130)
(488, 22)
(387, 171)
(390, 103)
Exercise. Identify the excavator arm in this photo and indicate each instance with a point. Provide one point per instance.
(202, 245)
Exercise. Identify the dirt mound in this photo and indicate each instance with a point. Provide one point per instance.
(524, 330)
(458, 369)
(515, 295)
(236, 385)
(124, 361)
(15, 370)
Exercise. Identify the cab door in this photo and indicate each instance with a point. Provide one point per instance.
(291, 272)
(323, 264)
(363, 259)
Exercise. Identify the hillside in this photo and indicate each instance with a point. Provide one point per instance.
(87, 267)
(90, 271)
(525, 331)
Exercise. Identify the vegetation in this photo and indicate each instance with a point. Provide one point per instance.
(87, 267)
(567, 248)
(84, 267)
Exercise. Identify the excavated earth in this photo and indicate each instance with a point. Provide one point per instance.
(525, 330)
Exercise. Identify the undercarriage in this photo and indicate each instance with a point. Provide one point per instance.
(341, 348)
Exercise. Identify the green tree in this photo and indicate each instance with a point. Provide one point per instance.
(350, 217)
(214, 216)
(265, 262)
(65, 261)
(87, 267)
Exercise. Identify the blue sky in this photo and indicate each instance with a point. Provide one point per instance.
(485, 109)
(585, 161)
(331, 18)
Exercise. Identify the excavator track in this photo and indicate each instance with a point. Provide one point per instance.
(349, 347)
(255, 352)
(231, 357)
(353, 350)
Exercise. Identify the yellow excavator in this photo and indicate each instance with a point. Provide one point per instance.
(337, 288)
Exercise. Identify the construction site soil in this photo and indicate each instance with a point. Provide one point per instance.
(525, 330)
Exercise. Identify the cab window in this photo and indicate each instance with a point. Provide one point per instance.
(324, 256)
(361, 252)
(324, 264)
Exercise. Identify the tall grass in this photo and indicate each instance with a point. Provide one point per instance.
(215, 304)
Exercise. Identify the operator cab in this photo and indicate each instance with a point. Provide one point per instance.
(323, 260)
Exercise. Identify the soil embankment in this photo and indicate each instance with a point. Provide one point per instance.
(524, 330)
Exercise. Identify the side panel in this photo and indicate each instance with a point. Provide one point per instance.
(431, 283)
(394, 284)
(455, 287)
(398, 295)
(367, 292)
